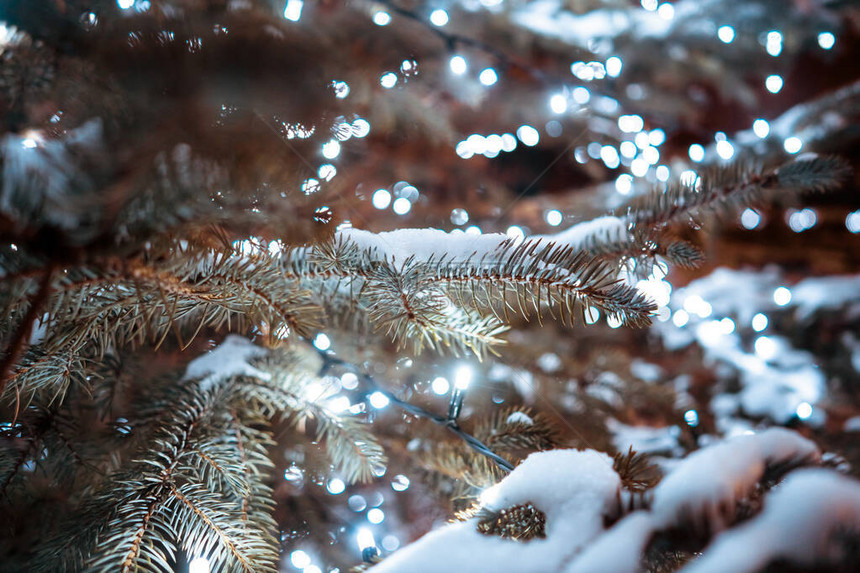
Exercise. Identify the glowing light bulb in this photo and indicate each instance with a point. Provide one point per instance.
(381, 198)
(826, 40)
(463, 377)
(613, 66)
(440, 386)
(792, 144)
(697, 153)
(300, 559)
(554, 217)
(365, 539)
(402, 205)
(458, 65)
(381, 18)
(750, 219)
(782, 296)
(335, 486)
(759, 322)
(388, 80)
(322, 342)
(379, 400)
(528, 135)
(761, 128)
(331, 149)
(558, 103)
(804, 410)
(293, 11)
(773, 83)
(439, 17)
(726, 34)
(488, 77)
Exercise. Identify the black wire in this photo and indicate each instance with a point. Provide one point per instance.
(330, 360)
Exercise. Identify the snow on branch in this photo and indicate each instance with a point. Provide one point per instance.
(231, 358)
(704, 489)
(801, 523)
(579, 492)
(576, 491)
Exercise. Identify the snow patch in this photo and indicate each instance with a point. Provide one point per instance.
(711, 480)
(797, 524)
(228, 359)
(574, 489)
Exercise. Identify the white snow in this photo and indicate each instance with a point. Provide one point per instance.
(38, 173)
(519, 418)
(574, 489)
(425, 244)
(796, 524)
(776, 378)
(228, 359)
(619, 550)
(834, 292)
(704, 488)
(644, 439)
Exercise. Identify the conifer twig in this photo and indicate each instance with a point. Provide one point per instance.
(25, 328)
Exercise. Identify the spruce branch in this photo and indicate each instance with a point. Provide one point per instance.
(739, 184)
(25, 328)
(536, 275)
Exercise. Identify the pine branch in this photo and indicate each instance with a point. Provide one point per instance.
(535, 275)
(188, 489)
(739, 184)
(25, 327)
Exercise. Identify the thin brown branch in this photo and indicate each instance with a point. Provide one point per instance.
(25, 328)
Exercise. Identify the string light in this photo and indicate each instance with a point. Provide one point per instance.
(381, 198)
(725, 150)
(726, 34)
(458, 65)
(322, 341)
(439, 17)
(554, 217)
(773, 83)
(782, 296)
(773, 44)
(804, 410)
(759, 322)
(558, 103)
(852, 222)
(826, 40)
(528, 135)
(300, 559)
(440, 386)
(697, 153)
(750, 219)
(331, 149)
(624, 184)
(488, 77)
(613, 66)
(381, 18)
(792, 144)
(402, 205)
(761, 128)
(388, 80)
(335, 486)
(125, 4)
(378, 400)
(292, 12)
